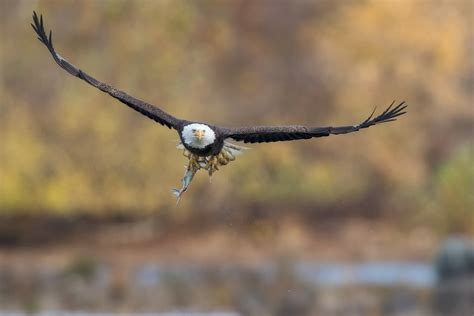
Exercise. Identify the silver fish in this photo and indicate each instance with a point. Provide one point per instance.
(185, 182)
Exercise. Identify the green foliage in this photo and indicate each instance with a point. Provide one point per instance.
(454, 195)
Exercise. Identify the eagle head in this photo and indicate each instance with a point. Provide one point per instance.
(198, 135)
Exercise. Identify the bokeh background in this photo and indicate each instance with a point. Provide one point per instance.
(379, 222)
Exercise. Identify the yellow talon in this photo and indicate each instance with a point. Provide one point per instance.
(222, 159)
(193, 163)
(228, 155)
(211, 163)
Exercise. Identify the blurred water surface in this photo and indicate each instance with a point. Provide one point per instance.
(307, 287)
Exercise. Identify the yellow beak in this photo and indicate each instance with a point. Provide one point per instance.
(199, 134)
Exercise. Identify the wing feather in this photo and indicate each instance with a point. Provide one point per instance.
(142, 107)
(260, 134)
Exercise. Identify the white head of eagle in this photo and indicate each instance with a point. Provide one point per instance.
(198, 135)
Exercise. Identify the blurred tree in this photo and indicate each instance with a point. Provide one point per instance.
(68, 149)
(453, 198)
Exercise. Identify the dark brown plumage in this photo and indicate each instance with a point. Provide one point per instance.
(261, 134)
(144, 108)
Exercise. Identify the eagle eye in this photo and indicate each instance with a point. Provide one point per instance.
(194, 130)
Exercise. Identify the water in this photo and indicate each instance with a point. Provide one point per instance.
(189, 289)
(412, 274)
(392, 273)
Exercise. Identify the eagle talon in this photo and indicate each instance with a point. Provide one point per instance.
(212, 165)
(193, 163)
(221, 158)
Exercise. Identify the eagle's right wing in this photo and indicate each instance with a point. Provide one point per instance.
(144, 108)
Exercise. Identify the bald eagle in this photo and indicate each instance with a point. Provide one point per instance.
(205, 145)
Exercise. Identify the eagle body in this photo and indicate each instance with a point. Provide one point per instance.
(206, 145)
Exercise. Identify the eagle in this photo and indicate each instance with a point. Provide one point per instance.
(205, 145)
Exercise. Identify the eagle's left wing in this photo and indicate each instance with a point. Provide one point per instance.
(144, 108)
(266, 134)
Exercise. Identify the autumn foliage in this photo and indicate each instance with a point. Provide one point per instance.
(66, 148)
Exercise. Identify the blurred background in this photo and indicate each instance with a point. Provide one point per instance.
(379, 222)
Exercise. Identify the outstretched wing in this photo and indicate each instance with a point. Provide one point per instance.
(266, 134)
(144, 108)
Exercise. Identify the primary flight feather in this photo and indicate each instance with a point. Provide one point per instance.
(203, 144)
